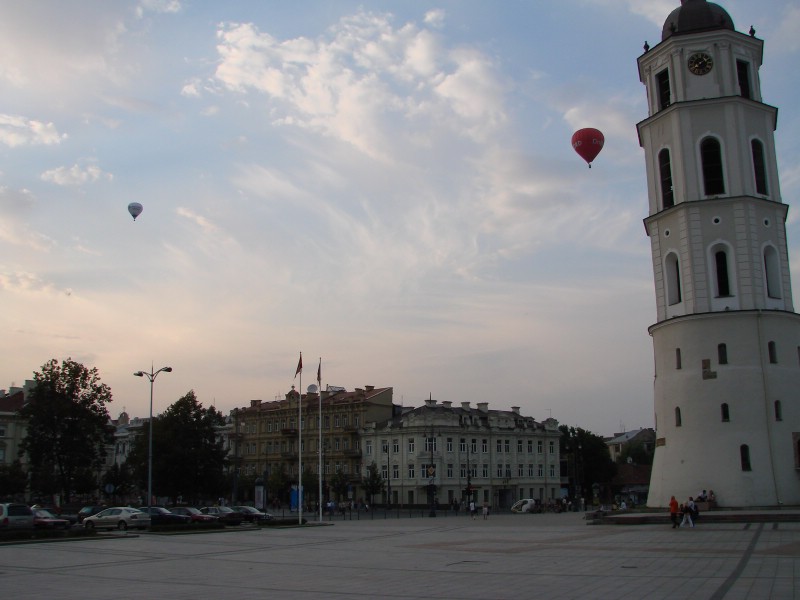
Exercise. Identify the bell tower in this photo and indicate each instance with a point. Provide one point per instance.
(727, 339)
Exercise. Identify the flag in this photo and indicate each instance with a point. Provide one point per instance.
(319, 373)
(299, 366)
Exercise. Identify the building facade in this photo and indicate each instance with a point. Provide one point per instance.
(727, 339)
(440, 453)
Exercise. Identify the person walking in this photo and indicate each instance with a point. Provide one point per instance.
(472, 508)
(673, 511)
(485, 511)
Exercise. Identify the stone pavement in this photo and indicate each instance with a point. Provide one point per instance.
(549, 556)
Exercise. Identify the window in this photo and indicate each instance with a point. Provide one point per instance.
(449, 444)
(520, 470)
(773, 353)
(539, 446)
(743, 74)
(778, 411)
(484, 445)
(772, 272)
(665, 171)
(474, 446)
(462, 446)
(662, 87)
(677, 358)
(519, 446)
(711, 159)
(722, 354)
(395, 471)
(336, 421)
(411, 445)
(530, 446)
(552, 470)
(552, 447)
(722, 280)
(463, 471)
(499, 469)
(507, 446)
(396, 446)
(449, 471)
(673, 273)
(411, 471)
(530, 470)
(726, 415)
(430, 444)
(744, 453)
(677, 416)
(484, 471)
(384, 472)
(540, 470)
(499, 446)
(759, 166)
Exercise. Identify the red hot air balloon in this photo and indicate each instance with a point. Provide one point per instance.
(587, 143)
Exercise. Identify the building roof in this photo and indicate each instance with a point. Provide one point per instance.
(694, 16)
(12, 402)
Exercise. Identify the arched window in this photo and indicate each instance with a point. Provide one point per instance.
(759, 166)
(726, 415)
(665, 170)
(772, 272)
(773, 352)
(744, 453)
(678, 421)
(722, 354)
(778, 411)
(711, 159)
(673, 273)
(723, 286)
(677, 358)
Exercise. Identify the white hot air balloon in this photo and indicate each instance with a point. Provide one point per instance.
(135, 209)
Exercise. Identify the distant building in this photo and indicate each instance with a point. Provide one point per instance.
(620, 444)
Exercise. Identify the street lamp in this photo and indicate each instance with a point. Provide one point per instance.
(388, 476)
(152, 377)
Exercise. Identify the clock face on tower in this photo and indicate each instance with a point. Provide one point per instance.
(700, 63)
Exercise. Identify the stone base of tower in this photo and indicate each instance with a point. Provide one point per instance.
(726, 408)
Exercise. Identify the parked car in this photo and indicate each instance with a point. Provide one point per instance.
(526, 505)
(252, 515)
(44, 519)
(15, 516)
(161, 516)
(193, 513)
(118, 517)
(88, 511)
(226, 514)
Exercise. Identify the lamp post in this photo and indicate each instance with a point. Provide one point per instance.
(152, 377)
(388, 475)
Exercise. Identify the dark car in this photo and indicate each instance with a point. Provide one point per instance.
(88, 511)
(226, 515)
(193, 513)
(252, 515)
(44, 519)
(161, 516)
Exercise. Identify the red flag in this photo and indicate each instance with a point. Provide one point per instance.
(319, 373)
(299, 366)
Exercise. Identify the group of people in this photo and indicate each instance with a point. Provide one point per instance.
(473, 509)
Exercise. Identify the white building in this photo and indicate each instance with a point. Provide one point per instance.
(727, 339)
(502, 455)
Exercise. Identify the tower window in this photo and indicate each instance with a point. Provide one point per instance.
(772, 272)
(778, 411)
(743, 74)
(711, 158)
(726, 415)
(759, 166)
(722, 354)
(665, 170)
(773, 352)
(678, 421)
(673, 273)
(721, 269)
(744, 454)
(677, 358)
(662, 86)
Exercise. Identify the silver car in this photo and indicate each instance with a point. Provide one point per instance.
(118, 517)
(16, 516)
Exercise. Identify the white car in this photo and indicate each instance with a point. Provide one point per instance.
(525, 505)
(118, 517)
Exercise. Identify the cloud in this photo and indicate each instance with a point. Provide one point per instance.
(16, 130)
(75, 175)
(158, 6)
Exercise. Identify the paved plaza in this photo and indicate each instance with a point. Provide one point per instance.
(548, 556)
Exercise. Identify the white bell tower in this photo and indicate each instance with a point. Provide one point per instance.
(727, 339)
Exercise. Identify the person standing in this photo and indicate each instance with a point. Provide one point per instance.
(688, 509)
(472, 508)
(485, 511)
(673, 511)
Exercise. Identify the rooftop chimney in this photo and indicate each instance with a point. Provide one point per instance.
(515, 410)
(483, 406)
(465, 405)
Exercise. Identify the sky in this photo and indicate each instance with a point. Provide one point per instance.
(387, 186)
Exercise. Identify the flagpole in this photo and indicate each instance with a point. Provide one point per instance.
(300, 451)
(319, 447)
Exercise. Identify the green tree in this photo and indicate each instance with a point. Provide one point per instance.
(13, 480)
(188, 459)
(638, 453)
(67, 428)
(278, 484)
(373, 482)
(120, 477)
(589, 460)
(339, 483)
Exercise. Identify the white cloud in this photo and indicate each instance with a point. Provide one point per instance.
(435, 18)
(16, 130)
(158, 6)
(75, 175)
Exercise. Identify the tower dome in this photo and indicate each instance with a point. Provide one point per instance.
(693, 16)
